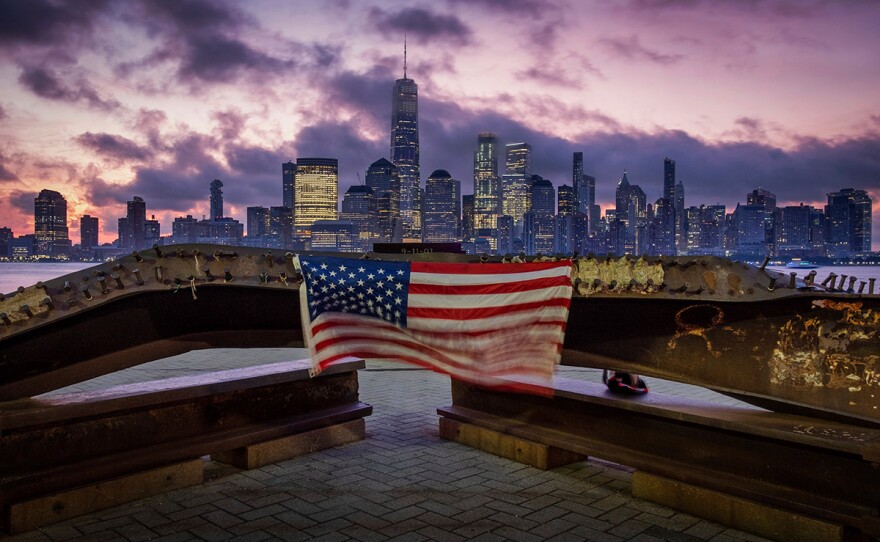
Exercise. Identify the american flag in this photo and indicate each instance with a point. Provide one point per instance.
(481, 323)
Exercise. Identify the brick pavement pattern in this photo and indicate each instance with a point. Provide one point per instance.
(401, 483)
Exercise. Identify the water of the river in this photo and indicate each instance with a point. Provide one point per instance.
(13, 275)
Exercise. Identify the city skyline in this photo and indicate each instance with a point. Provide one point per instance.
(96, 106)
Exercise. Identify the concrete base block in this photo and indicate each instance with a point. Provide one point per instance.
(742, 514)
(521, 450)
(34, 513)
(272, 451)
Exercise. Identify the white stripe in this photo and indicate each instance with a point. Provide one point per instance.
(448, 279)
(478, 301)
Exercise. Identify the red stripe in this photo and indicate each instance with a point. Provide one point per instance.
(403, 341)
(484, 312)
(497, 384)
(484, 268)
(523, 370)
(496, 288)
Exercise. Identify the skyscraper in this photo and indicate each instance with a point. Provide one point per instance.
(132, 228)
(383, 178)
(405, 145)
(359, 208)
(216, 200)
(50, 224)
(257, 221)
(848, 222)
(88, 232)
(288, 174)
(442, 208)
(538, 222)
(518, 159)
(467, 217)
(581, 197)
(669, 179)
(315, 192)
(631, 212)
(487, 189)
(680, 222)
(516, 185)
(793, 231)
(565, 200)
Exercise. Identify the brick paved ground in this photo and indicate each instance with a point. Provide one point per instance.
(401, 483)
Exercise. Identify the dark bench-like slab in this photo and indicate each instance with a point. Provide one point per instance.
(140, 439)
(781, 476)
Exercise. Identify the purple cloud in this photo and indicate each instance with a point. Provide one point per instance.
(423, 24)
(44, 22)
(5, 173)
(113, 147)
(533, 8)
(46, 84)
(218, 59)
(631, 48)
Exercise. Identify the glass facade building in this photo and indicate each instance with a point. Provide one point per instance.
(316, 190)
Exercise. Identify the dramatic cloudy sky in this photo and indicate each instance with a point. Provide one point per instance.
(105, 100)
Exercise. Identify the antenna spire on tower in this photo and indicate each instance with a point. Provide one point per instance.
(404, 56)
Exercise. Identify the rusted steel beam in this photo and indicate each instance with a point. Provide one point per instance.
(63, 441)
(821, 469)
(809, 353)
(125, 332)
(772, 339)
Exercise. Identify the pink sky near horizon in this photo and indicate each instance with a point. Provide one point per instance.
(156, 98)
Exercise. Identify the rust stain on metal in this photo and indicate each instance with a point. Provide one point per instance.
(616, 275)
(697, 321)
(837, 347)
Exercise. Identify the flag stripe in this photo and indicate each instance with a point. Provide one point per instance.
(483, 312)
(485, 278)
(479, 301)
(488, 269)
(493, 288)
(402, 350)
(454, 346)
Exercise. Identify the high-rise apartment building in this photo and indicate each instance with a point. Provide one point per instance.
(669, 179)
(383, 178)
(848, 216)
(359, 208)
(705, 227)
(538, 222)
(405, 146)
(315, 192)
(794, 231)
(487, 186)
(631, 212)
(442, 209)
(581, 191)
(467, 217)
(88, 232)
(288, 175)
(566, 200)
(518, 159)
(216, 199)
(257, 221)
(50, 224)
(132, 228)
(152, 231)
